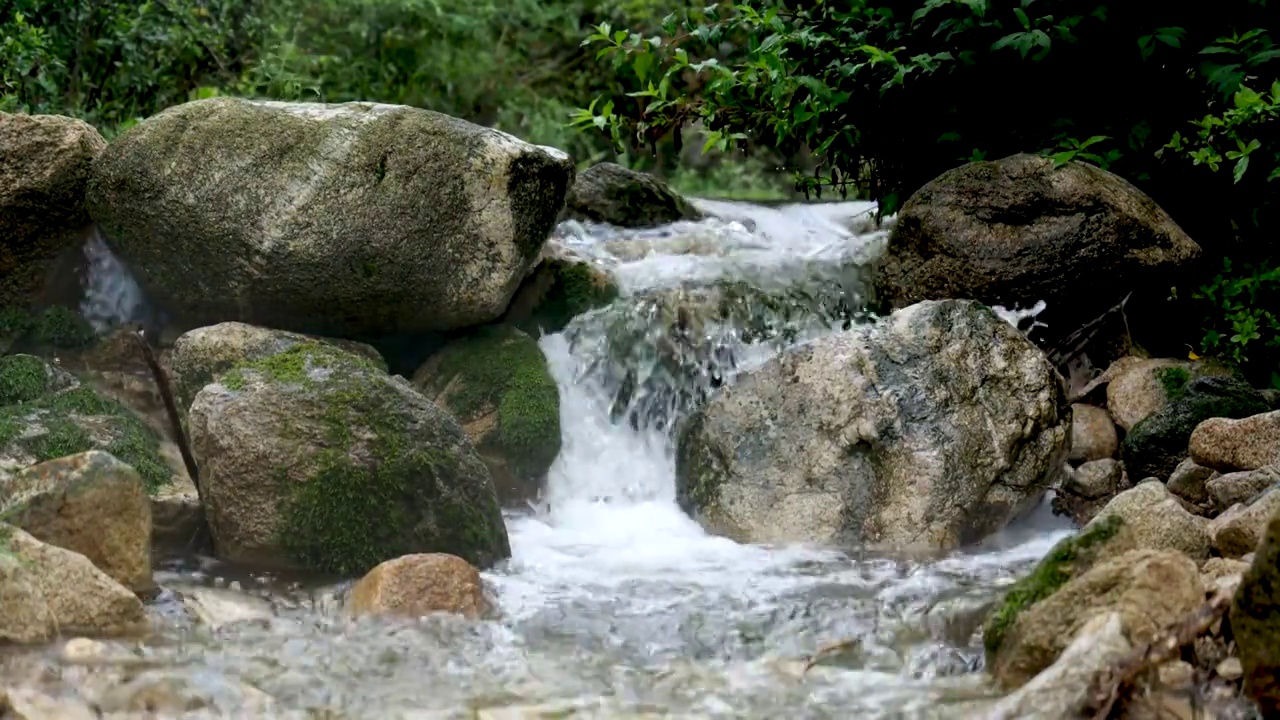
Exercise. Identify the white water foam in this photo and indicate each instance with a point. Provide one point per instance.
(112, 296)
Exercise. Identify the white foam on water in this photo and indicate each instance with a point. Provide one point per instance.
(112, 296)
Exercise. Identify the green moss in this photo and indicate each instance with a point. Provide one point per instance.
(23, 378)
(294, 365)
(576, 290)
(63, 328)
(1066, 560)
(14, 323)
(134, 442)
(1174, 381)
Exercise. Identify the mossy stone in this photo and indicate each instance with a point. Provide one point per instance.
(314, 457)
(1069, 558)
(559, 290)
(497, 384)
(1155, 446)
(61, 422)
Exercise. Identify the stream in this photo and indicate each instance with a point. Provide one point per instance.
(615, 603)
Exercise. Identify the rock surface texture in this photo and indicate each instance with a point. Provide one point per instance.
(353, 220)
(44, 167)
(314, 457)
(417, 585)
(930, 429)
(1253, 620)
(1016, 231)
(610, 193)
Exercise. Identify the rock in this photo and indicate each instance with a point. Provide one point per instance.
(342, 220)
(1088, 488)
(1093, 434)
(1148, 588)
(72, 420)
(1156, 445)
(1016, 231)
(496, 383)
(199, 356)
(561, 287)
(183, 692)
(929, 429)
(1188, 481)
(1154, 520)
(216, 608)
(1063, 688)
(44, 166)
(313, 457)
(1242, 487)
(610, 193)
(417, 585)
(30, 704)
(89, 503)
(1216, 569)
(1238, 530)
(1242, 444)
(47, 591)
(1139, 388)
(1254, 610)
(177, 518)
(1230, 669)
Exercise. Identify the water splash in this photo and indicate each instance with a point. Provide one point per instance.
(112, 297)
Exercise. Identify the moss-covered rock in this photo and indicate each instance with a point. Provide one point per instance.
(610, 193)
(69, 418)
(314, 457)
(560, 288)
(1155, 446)
(54, 328)
(24, 378)
(350, 220)
(496, 383)
(201, 355)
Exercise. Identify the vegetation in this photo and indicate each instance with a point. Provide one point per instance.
(1182, 101)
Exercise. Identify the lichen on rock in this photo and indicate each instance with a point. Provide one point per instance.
(497, 384)
(314, 457)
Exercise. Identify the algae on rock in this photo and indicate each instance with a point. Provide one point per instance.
(496, 383)
(314, 457)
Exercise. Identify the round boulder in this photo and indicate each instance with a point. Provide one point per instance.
(930, 429)
(313, 457)
(610, 193)
(1017, 230)
(344, 220)
(421, 584)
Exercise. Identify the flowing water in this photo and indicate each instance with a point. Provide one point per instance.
(615, 603)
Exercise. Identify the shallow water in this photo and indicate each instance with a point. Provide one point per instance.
(615, 603)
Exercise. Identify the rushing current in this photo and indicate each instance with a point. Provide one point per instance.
(614, 603)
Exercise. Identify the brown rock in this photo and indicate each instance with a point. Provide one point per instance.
(1238, 530)
(1093, 434)
(92, 504)
(47, 591)
(416, 585)
(1217, 568)
(1148, 588)
(1096, 479)
(1188, 481)
(1242, 487)
(1245, 444)
(44, 167)
(1138, 390)
(1154, 520)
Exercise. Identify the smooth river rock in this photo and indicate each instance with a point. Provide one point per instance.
(930, 429)
(352, 220)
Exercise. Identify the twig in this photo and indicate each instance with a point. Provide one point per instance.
(829, 649)
(1075, 343)
(1112, 686)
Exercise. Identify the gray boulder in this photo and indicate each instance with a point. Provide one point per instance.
(610, 193)
(1016, 230)
(929, 429)
(353, 220)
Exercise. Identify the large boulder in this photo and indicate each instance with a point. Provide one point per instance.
(497, 385)
(48, 591)
(44, 167)
(352, 220)
(931, 428)
(1017, 230)
(610, 193)
(1254, 611)
(90, 503)
(1156, 445)
(314, 457)
(47, 414)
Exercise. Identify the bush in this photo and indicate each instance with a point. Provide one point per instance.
(1180, 99)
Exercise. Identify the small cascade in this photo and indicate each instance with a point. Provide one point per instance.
(112, 296)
